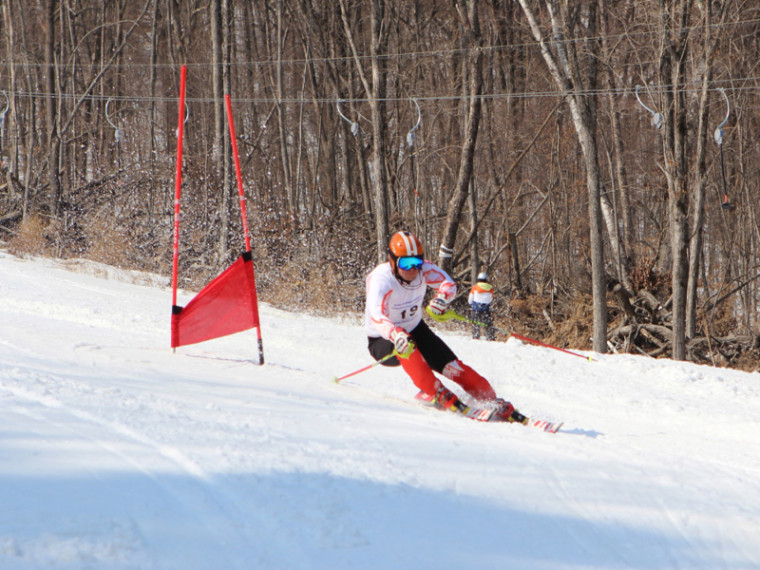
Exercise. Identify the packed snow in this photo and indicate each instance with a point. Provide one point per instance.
(118, 453)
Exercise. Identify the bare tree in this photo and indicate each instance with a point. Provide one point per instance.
(375, 90)
(705, 69)
(685, 190)
(51, 109)
(467, 10)
(561, 57)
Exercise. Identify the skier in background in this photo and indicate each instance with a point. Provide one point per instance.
(393, 321)
(480, 298)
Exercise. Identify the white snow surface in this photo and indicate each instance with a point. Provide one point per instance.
(118, 453)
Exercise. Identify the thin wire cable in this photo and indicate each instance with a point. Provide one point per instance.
(420, 98)
(408, 54)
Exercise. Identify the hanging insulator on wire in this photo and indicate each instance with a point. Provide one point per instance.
(718, 136)
(656, 117)
(410, 134)
(354, 124)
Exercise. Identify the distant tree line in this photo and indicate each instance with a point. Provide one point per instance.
(598, 152)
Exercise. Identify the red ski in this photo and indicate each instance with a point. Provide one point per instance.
(484, 414)
(547, 426)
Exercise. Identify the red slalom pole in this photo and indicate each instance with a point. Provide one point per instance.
(539, 343)
(178, 182)
(452, 314)
(243, 214)
(233, 140)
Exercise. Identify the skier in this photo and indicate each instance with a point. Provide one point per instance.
(393, 320)
(480, 298)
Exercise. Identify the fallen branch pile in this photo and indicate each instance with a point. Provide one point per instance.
(644, 327)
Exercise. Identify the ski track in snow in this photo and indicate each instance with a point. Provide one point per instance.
(139, 453)
(117, 453)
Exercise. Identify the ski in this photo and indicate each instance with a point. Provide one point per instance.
(547, 426)
(483, 414)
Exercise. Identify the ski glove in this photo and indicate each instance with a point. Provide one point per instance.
(402, 342)
(438, 305)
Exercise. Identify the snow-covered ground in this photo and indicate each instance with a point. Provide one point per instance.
(117, 453)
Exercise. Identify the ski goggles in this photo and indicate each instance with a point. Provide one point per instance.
(409, 262)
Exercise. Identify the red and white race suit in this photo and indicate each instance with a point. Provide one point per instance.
(391, 304)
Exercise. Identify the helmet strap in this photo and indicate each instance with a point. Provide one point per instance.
(399, 278)
(394, 269)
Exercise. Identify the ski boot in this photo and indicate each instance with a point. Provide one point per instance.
(518, 418)
(447, 400)
(505, 412)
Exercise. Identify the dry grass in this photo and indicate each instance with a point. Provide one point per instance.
(106, 242)
(29, 239)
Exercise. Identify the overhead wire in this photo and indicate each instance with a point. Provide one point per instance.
(409, 54)
(133, 63)
(652, 89)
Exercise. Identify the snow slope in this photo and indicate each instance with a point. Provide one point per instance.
(117, 453)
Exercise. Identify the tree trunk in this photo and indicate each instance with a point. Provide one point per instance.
(673, 80)
(377, 105)
(700, 169)
(152, 150)
(562, 63)
(218, 155)
(51, 112)
(376, 91)
(284, 150)
(474, 255)
(620, 208)
(10, 100)
(456, 203)
(698, 214)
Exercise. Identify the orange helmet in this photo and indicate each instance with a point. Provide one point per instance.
(404, 244)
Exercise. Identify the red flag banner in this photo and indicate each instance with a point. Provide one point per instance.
(225, 306)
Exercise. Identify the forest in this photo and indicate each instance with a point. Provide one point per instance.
(599, 159)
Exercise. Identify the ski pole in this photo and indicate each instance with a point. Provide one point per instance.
(355, 372)
(452, 314)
